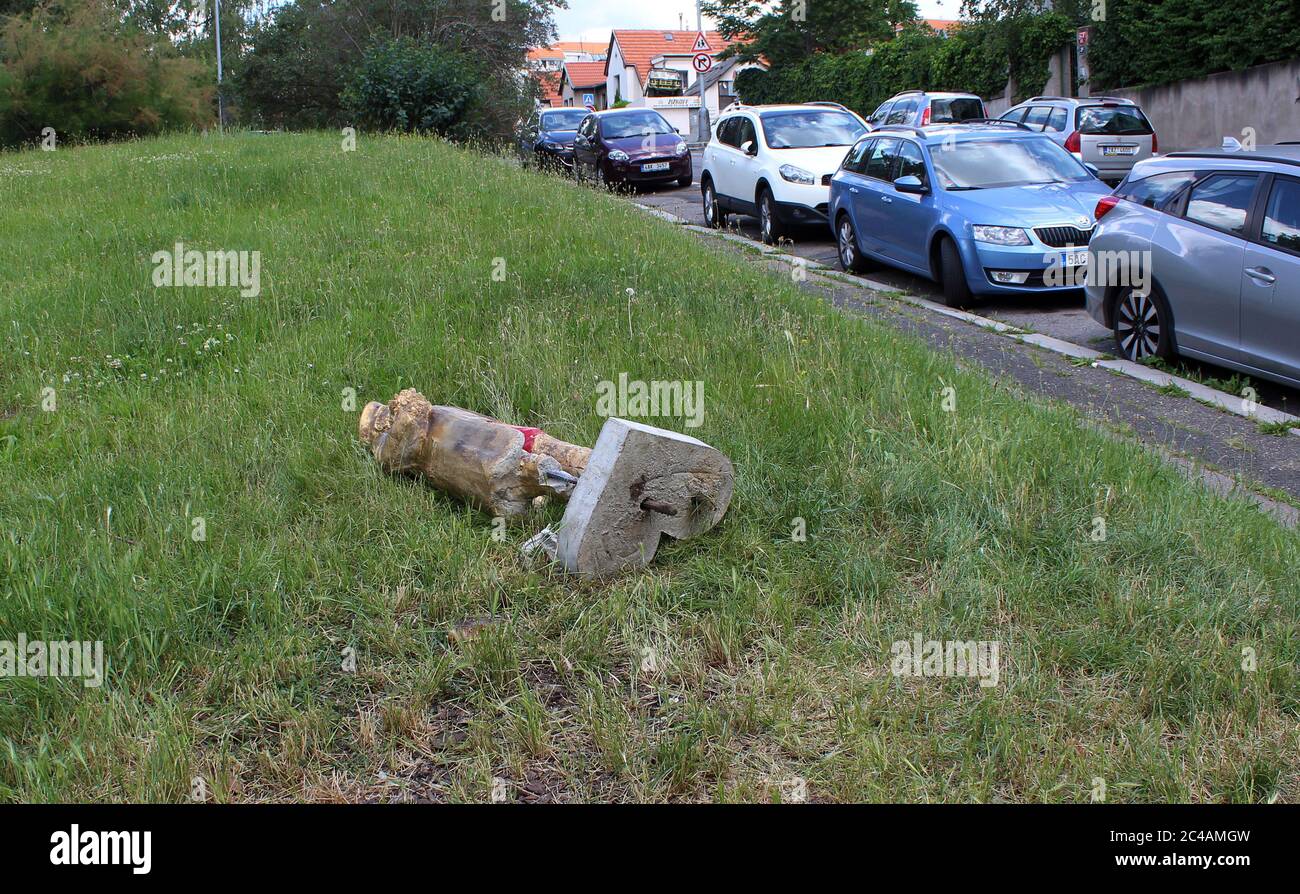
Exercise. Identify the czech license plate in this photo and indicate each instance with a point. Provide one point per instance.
(654, 166)
(1112, 151)
(1074, 259)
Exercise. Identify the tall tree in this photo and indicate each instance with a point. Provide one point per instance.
(788, 31)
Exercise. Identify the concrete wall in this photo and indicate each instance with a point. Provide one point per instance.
(1198, 113)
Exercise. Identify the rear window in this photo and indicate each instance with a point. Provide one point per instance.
(1154, 191)
(1112, 121)
(960, 108)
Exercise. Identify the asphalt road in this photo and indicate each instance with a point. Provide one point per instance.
(1060, 317)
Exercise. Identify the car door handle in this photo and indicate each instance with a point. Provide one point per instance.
(886, 199)
(1261, 275)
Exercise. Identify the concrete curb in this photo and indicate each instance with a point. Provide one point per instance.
(1212, 396)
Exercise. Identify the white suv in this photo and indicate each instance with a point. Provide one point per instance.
(775, 163)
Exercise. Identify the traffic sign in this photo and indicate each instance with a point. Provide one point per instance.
(701, 62)
(701, 44)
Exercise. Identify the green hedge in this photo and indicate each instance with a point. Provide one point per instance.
(978, 58)
(1142, 43)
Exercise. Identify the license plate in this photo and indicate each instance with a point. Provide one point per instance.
(654, 166)
(1112, 151)
(1074, 259)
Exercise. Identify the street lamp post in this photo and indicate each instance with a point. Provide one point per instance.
(221, 111)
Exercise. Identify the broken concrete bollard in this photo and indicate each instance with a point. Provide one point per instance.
(640, 483)
(637, 484)
(479, 460)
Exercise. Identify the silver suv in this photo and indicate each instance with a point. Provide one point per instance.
(1110, 133)
(917, 108)
(1201, 256)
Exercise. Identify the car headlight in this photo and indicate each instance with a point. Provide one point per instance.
(681, 149)
(550, 144)
(617, 155)
(1000, 235)
(797, 175)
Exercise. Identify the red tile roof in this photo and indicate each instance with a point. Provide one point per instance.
(585, 74)
(639, 47)
(550, 84)
(559, 48)
(937, 24)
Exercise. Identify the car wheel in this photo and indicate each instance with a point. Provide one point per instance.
(685, 181)
(769, 224)
(713, 216)
(601, 179)
(956, 293)
(851, 257)
(1143, 325)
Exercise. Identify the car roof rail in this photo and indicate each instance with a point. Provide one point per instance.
(906, 92)
(1048, 98)
(1253, 155)
(985, 122)
(1110, 99)
(915, 131)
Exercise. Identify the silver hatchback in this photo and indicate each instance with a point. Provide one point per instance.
(1108, 132)
(1198, 253)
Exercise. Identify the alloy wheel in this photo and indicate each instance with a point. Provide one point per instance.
(1138, 325)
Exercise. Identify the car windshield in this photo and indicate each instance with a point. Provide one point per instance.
(1113, 120)
(990, 164)
(633, 124)
(563, 120)
(956, 108)
(804, 130)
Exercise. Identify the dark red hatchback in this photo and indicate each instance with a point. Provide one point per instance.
(630, 146)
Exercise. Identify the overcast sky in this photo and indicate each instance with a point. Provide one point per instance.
(594, 19)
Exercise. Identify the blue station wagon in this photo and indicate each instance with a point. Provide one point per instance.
(981, 207)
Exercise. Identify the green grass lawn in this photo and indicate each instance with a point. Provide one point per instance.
(736, 665)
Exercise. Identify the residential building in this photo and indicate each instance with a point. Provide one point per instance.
(652, 69)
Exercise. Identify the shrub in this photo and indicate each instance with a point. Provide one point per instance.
(83, 73)
(405, 85)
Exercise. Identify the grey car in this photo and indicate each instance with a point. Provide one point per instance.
(917, 108)
(1110, 133)
(1198, 253)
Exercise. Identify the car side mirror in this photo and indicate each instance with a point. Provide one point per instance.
(749, 148)
(911, 184)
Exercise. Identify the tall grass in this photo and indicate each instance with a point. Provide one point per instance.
(737, 663)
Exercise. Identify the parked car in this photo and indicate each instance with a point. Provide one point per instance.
(982, 208)
(1223, 274)
(546, 139)
(1108, 132)
(774, 163)
(630, 146)
(919, 108)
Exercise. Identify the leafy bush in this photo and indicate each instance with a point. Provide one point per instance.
(82, 72)
(405, 85)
